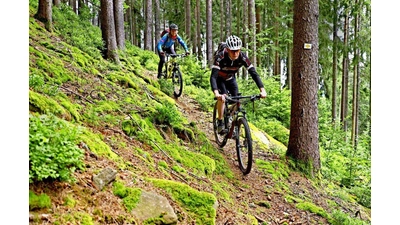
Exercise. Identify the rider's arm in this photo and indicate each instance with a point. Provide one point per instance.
(161, 42)
(213, 80)
(180, 40)
(258, 81)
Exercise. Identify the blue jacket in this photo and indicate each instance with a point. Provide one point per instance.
(167, 42)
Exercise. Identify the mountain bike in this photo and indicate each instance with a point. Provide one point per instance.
(172, 71)
(237, 128)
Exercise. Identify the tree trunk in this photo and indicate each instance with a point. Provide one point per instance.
(245, 22)
(277, 60)
(198, 33)
(303, 139)
(258, 30)
(57, 2)
(157, 22)
(45, 13)
(149, 25)
(188, 20)
(209, 37)
(356, 84)
(108, 30)
(119, 23)
(334, 63)
(252, 32)
(228, 16)
(345, 82)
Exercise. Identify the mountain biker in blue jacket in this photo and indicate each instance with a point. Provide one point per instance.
(226, 64)
(166, 44)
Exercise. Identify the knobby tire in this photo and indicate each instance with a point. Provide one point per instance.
(177, 82)
(244, 146)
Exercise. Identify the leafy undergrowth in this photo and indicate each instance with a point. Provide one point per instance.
(121, 120)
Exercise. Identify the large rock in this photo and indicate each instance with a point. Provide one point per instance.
(151, 205)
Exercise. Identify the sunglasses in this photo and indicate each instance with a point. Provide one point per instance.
(234, 51)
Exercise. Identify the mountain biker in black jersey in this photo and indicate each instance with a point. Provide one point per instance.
(166, 44)
(226, 65)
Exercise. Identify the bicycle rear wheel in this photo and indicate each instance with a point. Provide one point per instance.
(244, 146)
(177, 82)
(219, 138)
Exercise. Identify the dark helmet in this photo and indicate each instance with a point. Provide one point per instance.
(233, 42)
(173, 27)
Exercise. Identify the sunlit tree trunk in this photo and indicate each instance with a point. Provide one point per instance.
(303, 139)
(44, 14)
(148, 44)
(119, 23)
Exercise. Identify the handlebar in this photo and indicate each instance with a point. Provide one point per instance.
(175, 55)
(234, 99)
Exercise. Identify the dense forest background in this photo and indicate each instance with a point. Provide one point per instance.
(14, 70)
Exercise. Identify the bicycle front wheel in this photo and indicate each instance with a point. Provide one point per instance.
(219, 138)
(244, 146)
(177, 82)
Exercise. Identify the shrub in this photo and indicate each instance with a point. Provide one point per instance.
(53, 153)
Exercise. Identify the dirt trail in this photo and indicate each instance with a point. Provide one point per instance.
(253, 190)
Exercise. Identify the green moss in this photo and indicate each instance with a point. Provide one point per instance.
(308, 206)
(293, 199)
(277, 169)
(199, 204)
(130, 196)
(43, 104)
(163, 164)
(98, 147)
(38, 201)
(73, 109)
(69, 201)
(221, 188)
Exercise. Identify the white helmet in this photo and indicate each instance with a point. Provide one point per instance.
(233, 42)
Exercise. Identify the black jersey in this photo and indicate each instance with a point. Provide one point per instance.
(226, 68)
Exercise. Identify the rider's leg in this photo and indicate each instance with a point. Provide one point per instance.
(160, 64)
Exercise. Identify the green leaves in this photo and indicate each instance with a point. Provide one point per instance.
(53, 153)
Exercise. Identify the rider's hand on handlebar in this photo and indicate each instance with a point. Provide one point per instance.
(220, 97)
(187, 53)
(263, 93)
(162, 53)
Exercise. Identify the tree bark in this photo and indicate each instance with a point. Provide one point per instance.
(303, 139)
(45, 13)
(345, 79)
(149, 25)
(108, 30)
(334, 63)
(356, 84)
(209, 37)
(252, 32)
(188, 20)
(119, 23)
